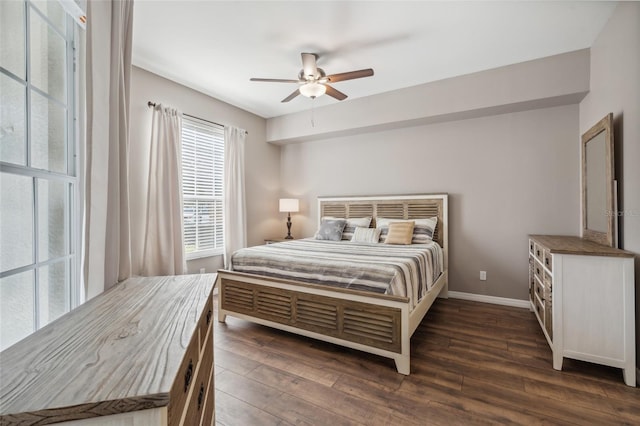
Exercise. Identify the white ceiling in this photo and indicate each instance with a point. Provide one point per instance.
(216, 46)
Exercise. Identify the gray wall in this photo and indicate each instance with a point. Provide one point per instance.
(552, 81)
(507, 175)
(615, 87)
(262, 161)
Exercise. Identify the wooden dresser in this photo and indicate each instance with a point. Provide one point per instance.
(138, 354)
(583, 296)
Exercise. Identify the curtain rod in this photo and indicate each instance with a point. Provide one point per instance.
(153, 104)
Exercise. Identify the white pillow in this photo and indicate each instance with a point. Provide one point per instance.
(366, 235)
(422, 231)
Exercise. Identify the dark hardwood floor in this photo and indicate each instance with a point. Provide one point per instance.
(471, 363)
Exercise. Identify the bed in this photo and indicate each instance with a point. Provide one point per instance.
(367, 319)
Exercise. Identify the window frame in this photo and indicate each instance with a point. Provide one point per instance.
(216, 130)
(70, 177)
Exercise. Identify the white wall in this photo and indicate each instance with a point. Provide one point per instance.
(507, 176)
(615, 87)
(262, 161)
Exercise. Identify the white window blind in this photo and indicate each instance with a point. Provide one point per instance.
(202, 177)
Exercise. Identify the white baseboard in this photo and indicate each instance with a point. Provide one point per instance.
(517, 303)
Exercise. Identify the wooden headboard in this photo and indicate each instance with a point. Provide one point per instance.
(394, 207)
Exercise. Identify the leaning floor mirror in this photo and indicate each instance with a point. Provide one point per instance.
(598, 184)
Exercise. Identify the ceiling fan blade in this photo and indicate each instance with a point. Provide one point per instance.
(291, 96)
(350, 75)
(309, 65)
(335, 93)
(274, 80)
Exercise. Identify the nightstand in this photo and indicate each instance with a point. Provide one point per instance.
(276, 240)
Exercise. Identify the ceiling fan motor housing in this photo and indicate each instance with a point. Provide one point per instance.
(319, 75)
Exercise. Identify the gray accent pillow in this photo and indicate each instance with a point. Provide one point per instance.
(352, 223)
(331, 229)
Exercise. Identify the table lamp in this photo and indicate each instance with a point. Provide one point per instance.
(289, 205)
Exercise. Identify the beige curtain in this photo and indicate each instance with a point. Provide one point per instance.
(163, 250)
(235, 212)
(107, 258)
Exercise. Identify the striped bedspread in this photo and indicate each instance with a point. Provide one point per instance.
(407, 271)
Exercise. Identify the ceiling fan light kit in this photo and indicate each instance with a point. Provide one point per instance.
(313, 81)
(313, 90)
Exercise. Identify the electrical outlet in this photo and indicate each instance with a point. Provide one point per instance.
(483, 275)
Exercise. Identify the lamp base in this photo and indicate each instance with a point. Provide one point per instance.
(289, 236)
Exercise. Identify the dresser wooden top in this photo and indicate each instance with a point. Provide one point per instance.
(562, 244)
(124, 346)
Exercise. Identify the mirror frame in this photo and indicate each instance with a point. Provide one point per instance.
(605, 238)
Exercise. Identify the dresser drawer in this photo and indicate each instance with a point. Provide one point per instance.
(537, 270)
(183, 382)
(539, 289)
(547, 281)
(539, 309)
(532, 279)
(548, 316)
(547, 259)
(201, 385)
(538, 251)
(205, 320)
(208, 416)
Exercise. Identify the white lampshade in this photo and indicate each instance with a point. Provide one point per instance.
(289, 205)
(313, 90)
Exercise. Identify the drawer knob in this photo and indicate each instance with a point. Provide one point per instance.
(188, 375)
(200, 396)
(209, 317)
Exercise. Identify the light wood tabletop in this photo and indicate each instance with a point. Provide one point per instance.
(563, 244)
(118, 352)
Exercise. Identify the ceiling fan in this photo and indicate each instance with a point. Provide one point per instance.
(313, 81)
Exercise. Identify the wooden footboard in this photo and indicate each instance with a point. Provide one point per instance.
(378, 324)
(371, 325)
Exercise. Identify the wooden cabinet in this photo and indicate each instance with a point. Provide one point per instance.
(583, 296)
(138, 354)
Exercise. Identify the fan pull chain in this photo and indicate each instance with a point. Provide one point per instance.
(313, 104)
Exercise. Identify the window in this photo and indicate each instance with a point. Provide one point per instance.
(202, 176)
(39, 265)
